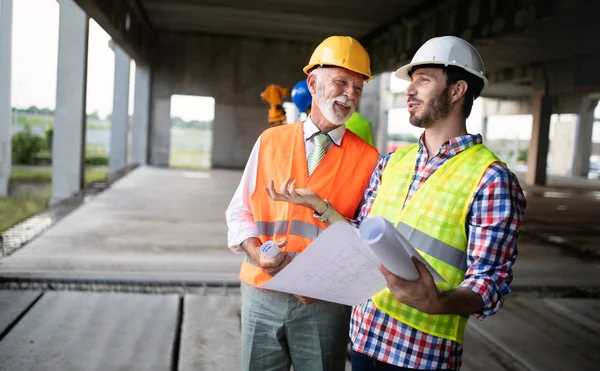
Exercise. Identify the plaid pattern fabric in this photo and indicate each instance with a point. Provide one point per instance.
(492, 228)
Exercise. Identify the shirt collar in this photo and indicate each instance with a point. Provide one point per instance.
(310, 129)
(455, 145)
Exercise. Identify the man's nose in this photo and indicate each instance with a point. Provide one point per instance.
(352, 92)
(410, 89)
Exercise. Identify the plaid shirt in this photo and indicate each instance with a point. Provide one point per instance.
(492, 229)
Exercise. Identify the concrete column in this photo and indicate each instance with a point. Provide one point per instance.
(484, 120)
(141, 115)
(69, 120)
(375, 104)
(160, 137)
(583, 146)
(562, 147)
(539, 144)
(6, 13)
(120, 116)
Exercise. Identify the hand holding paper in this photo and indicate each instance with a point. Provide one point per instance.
(392, 249)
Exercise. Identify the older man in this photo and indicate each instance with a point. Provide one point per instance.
(278, 329)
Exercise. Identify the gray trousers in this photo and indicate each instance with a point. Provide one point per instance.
(279, 331)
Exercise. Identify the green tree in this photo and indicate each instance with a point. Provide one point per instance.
(25, 147)
(94, 115)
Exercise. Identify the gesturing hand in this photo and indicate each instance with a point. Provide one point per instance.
(289, 193)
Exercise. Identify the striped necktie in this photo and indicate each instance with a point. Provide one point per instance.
(321, 140)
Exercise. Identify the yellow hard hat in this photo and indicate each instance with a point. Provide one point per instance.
(341, 51)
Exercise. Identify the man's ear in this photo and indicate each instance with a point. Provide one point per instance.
(311, 81)
(459, 90)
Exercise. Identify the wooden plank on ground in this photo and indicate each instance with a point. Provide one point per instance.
(13, 304)
(211, 333)
(94, 331)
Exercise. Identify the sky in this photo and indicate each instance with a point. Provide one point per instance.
(34, 65)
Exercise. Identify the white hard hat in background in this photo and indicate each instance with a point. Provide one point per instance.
(447, 51)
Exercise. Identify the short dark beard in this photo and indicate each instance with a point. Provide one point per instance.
(437, 109)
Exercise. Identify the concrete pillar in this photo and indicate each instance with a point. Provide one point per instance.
(160, 136)
(141, 115)
(538, 146)
(120, 116)
(583, 146)
(375, 105)
(562, 147)
(484, 120)
(69, 119)
(6, 13)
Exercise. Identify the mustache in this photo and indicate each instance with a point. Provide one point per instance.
(413, 100)
(345, 101)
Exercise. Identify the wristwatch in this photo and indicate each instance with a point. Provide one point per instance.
(326, 214)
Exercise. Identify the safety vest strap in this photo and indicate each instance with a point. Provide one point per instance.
(434, 247)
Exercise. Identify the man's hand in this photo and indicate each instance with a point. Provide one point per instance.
(271, 266)
(305, 299)
(301, 196)
(421, 294)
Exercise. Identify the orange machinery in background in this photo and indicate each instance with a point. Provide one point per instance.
(274, 94)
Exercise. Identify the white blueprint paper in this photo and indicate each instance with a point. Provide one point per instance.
(336, 267)
(341, 267)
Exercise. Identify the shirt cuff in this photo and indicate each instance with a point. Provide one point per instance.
(241, 236)
(491, 294)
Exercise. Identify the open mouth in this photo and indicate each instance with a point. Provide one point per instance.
(412, 105)
(343, 106)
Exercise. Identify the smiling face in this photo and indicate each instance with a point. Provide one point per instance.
(336, 92)
(429, 98)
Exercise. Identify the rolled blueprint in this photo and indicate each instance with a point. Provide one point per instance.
(389, 246)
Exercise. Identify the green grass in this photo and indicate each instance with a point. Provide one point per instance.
(31, 175)
(35, 120)
(15, 210)
(43, 175)
(98, 125)
(95, 174)
(190, 148)
(45, 122)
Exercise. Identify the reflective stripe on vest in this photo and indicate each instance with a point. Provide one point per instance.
(434, 221)
(433, 247)
(298, 228)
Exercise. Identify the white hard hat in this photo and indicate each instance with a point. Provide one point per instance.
(447, 51)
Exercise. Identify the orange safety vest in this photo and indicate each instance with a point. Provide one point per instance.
(341, 178)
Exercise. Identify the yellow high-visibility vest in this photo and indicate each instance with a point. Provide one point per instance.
(434, 221)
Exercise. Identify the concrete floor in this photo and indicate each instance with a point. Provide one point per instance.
(159, 225)
(154, 224)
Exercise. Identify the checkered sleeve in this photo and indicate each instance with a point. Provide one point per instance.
(492, 231)
(371, 191)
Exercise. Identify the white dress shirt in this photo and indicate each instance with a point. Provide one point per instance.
(240, 221)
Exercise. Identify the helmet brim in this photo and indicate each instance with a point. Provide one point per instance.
(403, 72)
(310, 67)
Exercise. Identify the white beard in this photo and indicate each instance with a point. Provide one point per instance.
(327, 107)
